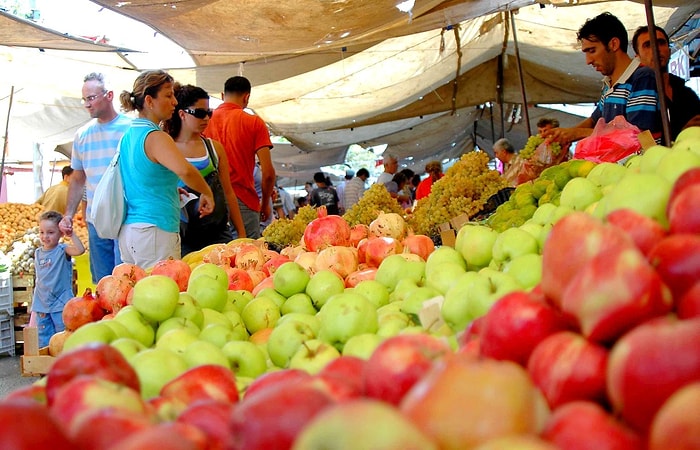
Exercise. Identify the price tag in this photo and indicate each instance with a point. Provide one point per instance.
(429, 315)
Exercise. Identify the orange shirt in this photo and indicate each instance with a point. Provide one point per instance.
(424, 187)
(242, 135)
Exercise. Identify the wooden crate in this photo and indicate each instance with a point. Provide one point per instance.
(36, 361)
(22, 290)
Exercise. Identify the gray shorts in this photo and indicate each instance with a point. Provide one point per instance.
(145, 244)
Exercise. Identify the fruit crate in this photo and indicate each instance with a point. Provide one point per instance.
(6, 298)
(7, 333)
(35, 361)
(22, 290)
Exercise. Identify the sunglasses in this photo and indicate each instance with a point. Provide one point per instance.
(199, 113)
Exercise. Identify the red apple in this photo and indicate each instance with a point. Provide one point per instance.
(176, 269)
(650, 363)
(272, 418)
(583, 425)
(677, 259)
(29, 425)
(616, 291)
(212, 419)
(343, 377)
(689, 305)
(460, 405)
(103, 428)
(689, 178)
(98, 359)
(567, 367)
(676, 425)
(360, 275)
(514, 326)
(268, 380)
(573, 241)
(33, 392)
(205, 382)
(167, 435)
(644, 231)
(684, 211)
(398, 363)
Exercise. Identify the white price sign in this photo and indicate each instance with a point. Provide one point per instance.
(679, 64)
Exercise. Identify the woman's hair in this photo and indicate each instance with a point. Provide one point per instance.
(399, 178)
(53, 216)
(186, 95)
(147, 83)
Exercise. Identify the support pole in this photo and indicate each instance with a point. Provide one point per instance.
(526, 113)
(657, 71)
(7, 127)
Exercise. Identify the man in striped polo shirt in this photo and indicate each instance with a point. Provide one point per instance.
(94, 146)
(629, 89)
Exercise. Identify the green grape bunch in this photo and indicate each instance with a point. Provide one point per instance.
(375, 200)
(533, 142)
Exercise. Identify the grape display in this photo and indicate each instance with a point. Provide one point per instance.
(284, 232)
(376, 199)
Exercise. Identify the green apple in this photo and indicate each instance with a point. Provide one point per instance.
(88, 333)
(526, 269)
(395, 268)
(651, 158)
(177, 323)
(374, 291)
(176, 340)
(543, 214)
(646, 193)
(402, 289)
(346, 315)
(560, 212)
(273, 294)
(362, 345)
(212, 270)
(261, 312)
(240, 298)
(201, 352)
(245, 358)
(579, 193)
(474, 242)
(217, 334)
(290, 278)
(606, 173)
(156, 297)
(413, 302)
(155, 367)
(240, 332)
(141, 329)
(511, 243)
(128, 347)
(391, 323)
(313, 355)
(688, 139)
(299, 303)
(322, 286)
(544, 234)
(441, 255)
(312, 321)
(119, 329)
(535, 230)
(188, 308)
(676, 163)
(285, 341)
(207, 292)
(443, 276)
(456, 310)
(211, 316)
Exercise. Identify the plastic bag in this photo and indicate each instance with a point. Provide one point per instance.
(108, 206)
(609, 142)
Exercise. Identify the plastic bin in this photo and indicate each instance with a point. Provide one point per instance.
(7, 334)
(6, 291)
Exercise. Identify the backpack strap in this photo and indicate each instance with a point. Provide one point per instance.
(212, 153)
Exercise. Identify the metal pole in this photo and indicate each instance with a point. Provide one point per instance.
(7, 127)
(526, 114)
(657, 71)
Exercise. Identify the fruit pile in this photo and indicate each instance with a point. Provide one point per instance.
(15, 220)
(578, 328)
(375, 200)
(464, 189)
(285, 232)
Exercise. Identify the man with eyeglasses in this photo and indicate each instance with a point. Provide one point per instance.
(682, 102)
(244, 136)
(94, 145)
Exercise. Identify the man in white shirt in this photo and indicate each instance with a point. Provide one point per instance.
(391, 165)
(355, 188)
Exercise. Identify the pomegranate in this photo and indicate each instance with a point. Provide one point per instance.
(308, 261)
(357, 233)
(81, 310)
(378, 248)
(418, 244)
(256, 276)
(273, 263)
(360, 275)
(292, 252)
(238, 278)
(249, 257)
(176, 269)
(326, 231)
(340, 259)
(388, 225)
(131, 271)
(111, 292)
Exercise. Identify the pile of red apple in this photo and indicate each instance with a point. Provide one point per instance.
(603, 354)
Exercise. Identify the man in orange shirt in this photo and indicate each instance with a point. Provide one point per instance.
(244, 136)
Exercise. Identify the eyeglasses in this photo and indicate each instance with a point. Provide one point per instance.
(92, 98)
(199, 113)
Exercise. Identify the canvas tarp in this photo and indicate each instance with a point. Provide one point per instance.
(327, 74)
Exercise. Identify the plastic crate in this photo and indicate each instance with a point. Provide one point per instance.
(7, 334)
(6, 291)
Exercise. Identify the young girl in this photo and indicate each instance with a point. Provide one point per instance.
(54, 276)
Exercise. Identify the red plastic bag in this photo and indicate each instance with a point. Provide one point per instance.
(609, 142)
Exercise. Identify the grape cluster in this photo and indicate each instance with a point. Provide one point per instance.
(285, 232)
(533, 142)
(376, 199)
(464, 189)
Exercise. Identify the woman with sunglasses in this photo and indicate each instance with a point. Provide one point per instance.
(151, 167)
(186, 125)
